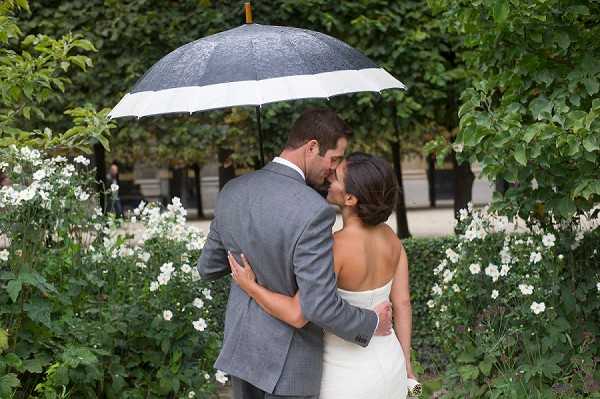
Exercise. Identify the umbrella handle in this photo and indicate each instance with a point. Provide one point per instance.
(248, 12)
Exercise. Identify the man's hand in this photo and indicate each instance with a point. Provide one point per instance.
(384, 312)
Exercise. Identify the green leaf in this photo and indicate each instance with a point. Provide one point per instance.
(74, 356)
(541, 107)
(33, 365)
(8, 382)
(590, 143)
(38, 311)
(501, 11)
(468, 372)
(3, 340)
(521, 156)
(566, 208)
(14, 361)
(591, 85)
(486, 366)
(563, 40)
(14, 288)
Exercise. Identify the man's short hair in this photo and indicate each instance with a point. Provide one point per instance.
(320, 124)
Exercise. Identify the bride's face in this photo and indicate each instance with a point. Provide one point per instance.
(337, 190)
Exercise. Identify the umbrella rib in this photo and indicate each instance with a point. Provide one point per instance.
(309, 65)
(259, 98)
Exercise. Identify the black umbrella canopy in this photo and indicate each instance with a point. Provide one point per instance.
(252, 65)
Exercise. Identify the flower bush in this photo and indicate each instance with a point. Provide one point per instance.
(517, 309)
(88, 309)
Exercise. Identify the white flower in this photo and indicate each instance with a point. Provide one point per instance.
(167, 268)
(598, 286)
(538, 308)
(167, 315)
(198, 303)
(436, 289)
(505, 255)
(561, 257)
(163, 278)
(200, 324)
(81, 195)
(526, 289)
(492, 271)
(4, 255)
(141, 265)
(535, 257)
(82, 160)
(440, 267)
(114, 187)
(431, 303)
(456, 288)
(453, 256)
(504, 270)
(18, 169)
(495, 294)
(221, 377)
(206, 376)
(475, 268)
(144, 257)
(186, 268)
(153, 286)
(191, 394)
(39, 175)
(443, 308)
(195, 274)
(206, 293)
(448, 275)
(548, 240)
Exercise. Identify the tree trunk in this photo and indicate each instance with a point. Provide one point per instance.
(226, 167)
(431, 179)
(401, 220)
(177, 183)
(198, 182)
(100, 163)
(463, 185)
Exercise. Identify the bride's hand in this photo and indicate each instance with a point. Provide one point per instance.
(243, 275)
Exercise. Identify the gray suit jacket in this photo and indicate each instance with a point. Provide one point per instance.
(283, 227)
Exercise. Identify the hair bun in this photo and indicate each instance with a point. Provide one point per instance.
(372, 181)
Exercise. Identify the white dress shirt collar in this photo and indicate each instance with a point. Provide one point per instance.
(289, 164)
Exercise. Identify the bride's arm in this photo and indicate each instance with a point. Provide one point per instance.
(401, 306)
(282, 307)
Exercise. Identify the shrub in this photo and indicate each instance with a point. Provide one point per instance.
(89, 310)
(518, 310)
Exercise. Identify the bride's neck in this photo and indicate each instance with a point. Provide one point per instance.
(350, 218)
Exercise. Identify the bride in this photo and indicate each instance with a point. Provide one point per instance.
(371, 266)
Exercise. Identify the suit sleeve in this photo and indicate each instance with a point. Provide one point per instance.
(213, 263)
(320, 302)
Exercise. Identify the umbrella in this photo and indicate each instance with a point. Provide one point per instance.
(252, 65)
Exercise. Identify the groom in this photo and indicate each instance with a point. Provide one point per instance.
(283, 227)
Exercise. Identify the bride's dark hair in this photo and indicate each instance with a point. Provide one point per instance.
(371, 180)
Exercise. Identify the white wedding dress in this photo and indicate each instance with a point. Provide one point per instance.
(353, 372)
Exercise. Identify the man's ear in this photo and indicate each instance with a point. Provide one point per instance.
(313, 146)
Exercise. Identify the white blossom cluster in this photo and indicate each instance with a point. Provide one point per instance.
(36, 178)
(533, 247)
(170, 224)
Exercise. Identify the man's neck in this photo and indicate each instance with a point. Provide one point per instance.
(295, 158)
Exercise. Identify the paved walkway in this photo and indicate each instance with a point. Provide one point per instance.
(421, 222)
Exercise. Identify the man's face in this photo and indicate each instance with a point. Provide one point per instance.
(319, 168)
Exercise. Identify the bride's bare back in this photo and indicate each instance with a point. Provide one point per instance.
(366, 257)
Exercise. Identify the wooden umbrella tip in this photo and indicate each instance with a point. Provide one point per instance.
(248, 11)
